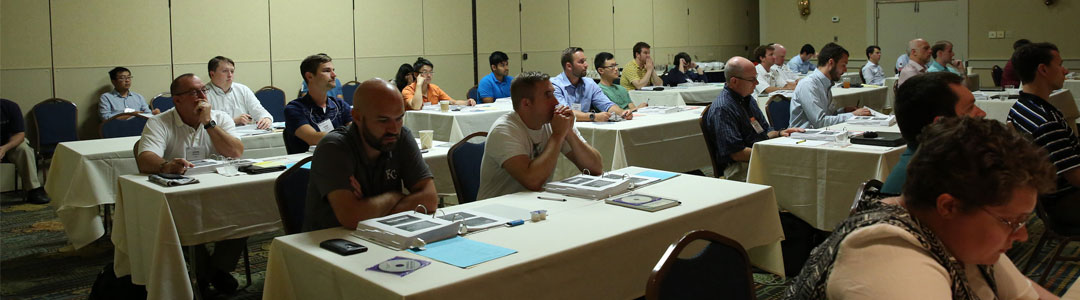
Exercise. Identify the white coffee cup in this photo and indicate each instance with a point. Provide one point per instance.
(444, 105)
(425, 138)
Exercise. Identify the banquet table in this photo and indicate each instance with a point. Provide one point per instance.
(873, 97)
(698, 94)
(998, 109)
(452, 126)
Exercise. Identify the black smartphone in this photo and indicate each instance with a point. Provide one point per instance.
(342, 247)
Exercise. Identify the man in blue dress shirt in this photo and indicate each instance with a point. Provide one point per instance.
(122, 99)
(572, 87)
(801, 64)
(810, 107)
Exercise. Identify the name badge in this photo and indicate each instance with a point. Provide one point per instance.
(128, 109)
(326, 126)
(756, 124)
(194, 153)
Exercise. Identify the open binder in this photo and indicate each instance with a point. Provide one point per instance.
(589, 187)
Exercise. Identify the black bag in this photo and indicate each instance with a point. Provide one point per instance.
(107, 286)
(799, 239)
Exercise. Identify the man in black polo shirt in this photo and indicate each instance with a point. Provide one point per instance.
(359, 171)
(1039, 68)
(15, 149)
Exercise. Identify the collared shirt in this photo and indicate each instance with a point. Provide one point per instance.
(510, 137)
(766, 79)
(796, 64)
(237, 101)
(113, 104)
(617, 94)
(901, 61)
(304, 111)
(586, 92)
(491, 87)
(938, 67)
(334, 92)
(873, 74)
(341, 154)
(675, 77)
(910, 70)
(633, 72)
(167, 136)
(894, 184)
(434, 94)
(11, 120)
(730, 122)
(1050, 130)
(810, 105)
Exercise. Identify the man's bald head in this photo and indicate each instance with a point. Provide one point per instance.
(736, 67)
(378, 111)
(919, 51)
(779, 54)
(373, 92)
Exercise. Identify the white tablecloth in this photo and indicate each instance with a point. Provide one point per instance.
(670, 142)
(999, 109)
(679, 96)
(873, 97)
(584, 250)
(1074, 86)
(83, 176)
(454, 125)
(890, 91)
(818, 184)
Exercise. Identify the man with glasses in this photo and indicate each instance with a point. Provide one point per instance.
(233, 98)
(581, 93)
(122, 99)
(309, 118)
(428, 92)
(609, 71)
(769, 79)
(192, 131)
(734, 121)
(810, 107)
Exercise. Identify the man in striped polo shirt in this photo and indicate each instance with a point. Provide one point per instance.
(1040, 69)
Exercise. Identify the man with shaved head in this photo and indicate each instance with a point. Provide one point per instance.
(779, 67)
(918, 57)
(734, 121)
(358, 171)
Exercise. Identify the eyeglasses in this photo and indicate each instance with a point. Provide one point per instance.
(611, 66)
(195, 92)
(122, 78)
(428, 73)
(1015, 226)
(750, 80)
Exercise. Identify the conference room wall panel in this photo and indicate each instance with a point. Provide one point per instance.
(84, 87)
(498, 28)
(448, 28)
(26, 87)
(254, 74)
(704, 21)
(389, 30)
(383, 67)
(633, 23)
(1056, 23)
(24, 35)
(110, 33)
(302, 28)
(287, 73)
(238, 29)
(592, 24)
(738, 22)
(670, 23)
(780, 22)
(453, 73)
(483, 67)
(545, 25)
(548, 61)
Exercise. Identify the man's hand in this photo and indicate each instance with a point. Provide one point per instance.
(472, 102)
(203, 111)
(357, 191)
(648, 64)
(419, 83)
(602, 117)
(3, 151)
(562, 121)
(264, 123)
(627, 114)
(176, 166)
(861, 112)
(156, 111)
(956, 63)
(242, 119)
(787, 132)
(790, 86)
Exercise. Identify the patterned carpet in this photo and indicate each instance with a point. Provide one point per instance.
(38, 263)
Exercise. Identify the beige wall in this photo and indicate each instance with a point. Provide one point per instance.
(781, 23)
(1030, 20)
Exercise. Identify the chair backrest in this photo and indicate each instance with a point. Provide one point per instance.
(710, 144)
(464, 159)
(871, 189)
(348, 89)
(290, 191)
(720, 270)
(162, 102)
(777, 109)
(125, 124)
(996, 74)
(471, 94)
(273, 100)
(55, 122)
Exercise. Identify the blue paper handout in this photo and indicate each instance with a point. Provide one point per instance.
(463, 252)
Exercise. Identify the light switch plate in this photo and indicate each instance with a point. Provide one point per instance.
(1001, 34)
(993, 34)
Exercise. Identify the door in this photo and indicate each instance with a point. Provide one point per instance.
(898, 23)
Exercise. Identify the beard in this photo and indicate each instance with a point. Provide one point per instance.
(374, 141)
(581, 73)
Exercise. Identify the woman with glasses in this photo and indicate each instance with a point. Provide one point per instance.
(971, 186)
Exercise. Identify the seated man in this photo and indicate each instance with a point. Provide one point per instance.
(309, 118)
(801, 64)
(769, 80)
(1040, 69)
(609, 71)
(122, 99)
(192, 131)
(429, 92)
(358, 172)
(780, 68)
(900, 62)
(639, 72)
(233, 98)
(872, 72)
(15, 148)
(735, 122)
(922, 100)
(572, 87)
(918, 57)
(810, 107)
(685, 71)
(942, 54)
(524, 145)
(497, 84)
(335, 92)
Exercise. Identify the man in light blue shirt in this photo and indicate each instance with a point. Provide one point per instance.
(801, 63)
(871, 72)
(942, 51)
(810, 107)
(121, 99)
(497, 84)
(572, 87)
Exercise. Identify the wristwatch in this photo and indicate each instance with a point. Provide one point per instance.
(210, 125)
(592, 117)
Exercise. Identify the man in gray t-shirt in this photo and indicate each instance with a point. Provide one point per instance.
(359, 171)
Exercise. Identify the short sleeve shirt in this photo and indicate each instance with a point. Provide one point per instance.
(509, 137)
(632, 72)
(167, 136)
(490, 87)
(304, 111)
(617, 94)
(11, 120)
(341, 154)
(434, 94)
(1050, 130)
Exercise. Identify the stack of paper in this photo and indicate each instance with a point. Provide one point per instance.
(660, 109)
(820, 135)
(406, 229)
(590, 187)
(873, 120)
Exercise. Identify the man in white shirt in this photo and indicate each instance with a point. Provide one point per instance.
(918, 57)
(235, 99)
(524, 145)
(871, 72)
(780, 68)
(769, 81)
(189, 132)
(811, 105)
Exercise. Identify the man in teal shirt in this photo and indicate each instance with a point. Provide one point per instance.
(609, 71)
(920, 102)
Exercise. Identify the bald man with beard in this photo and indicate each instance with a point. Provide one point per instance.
(358, 171)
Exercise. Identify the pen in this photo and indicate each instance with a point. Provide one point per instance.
(800, 142)
(549, 198)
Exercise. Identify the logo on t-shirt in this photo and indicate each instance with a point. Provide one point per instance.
(391, 174)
